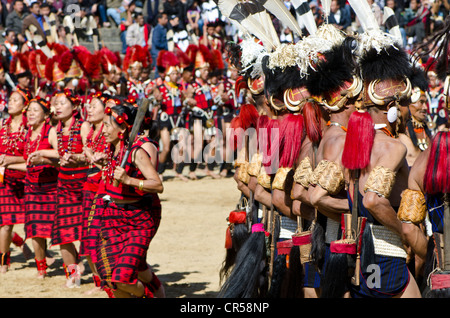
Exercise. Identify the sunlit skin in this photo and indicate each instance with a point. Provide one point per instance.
(135, 71)
(419, 109)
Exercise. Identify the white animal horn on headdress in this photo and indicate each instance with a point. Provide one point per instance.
(278, 9)
(304, 14)
(391, 23)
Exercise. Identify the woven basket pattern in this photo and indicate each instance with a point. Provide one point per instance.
(280, 178)
(255, 165)
(264, 178)
(331, 178)
(412, 207)
(303, 172)
(380, 180)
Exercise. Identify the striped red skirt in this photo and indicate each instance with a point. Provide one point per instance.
(40, 201)
(126, 233)
(12, 190)
(69, 208)
(93, 208)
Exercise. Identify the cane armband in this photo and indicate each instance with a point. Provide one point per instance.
(240, 159)
(412, 207)
(255, 165)
(242, 172)
(303, 173)
(264, 178)
(331, 178)
(280, 178)
(381, 181)
(322, 165)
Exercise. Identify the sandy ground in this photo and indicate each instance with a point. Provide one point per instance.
(186, 253)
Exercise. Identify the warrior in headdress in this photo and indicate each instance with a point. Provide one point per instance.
(171, 99)
(110, 63)
(424, 207)
(417, 135)
(201, 120)
(376, 180)
(135, 59)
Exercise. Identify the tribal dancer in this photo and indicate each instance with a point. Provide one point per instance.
(12, 146)
(133, 212)
(136, 58)
(171, 116)
(67, 227)
(417, 135)
(335, 86)
(376, 180)
(201, 121)
(41, 180)
(110, 66)
(425, 202)
(92, 192)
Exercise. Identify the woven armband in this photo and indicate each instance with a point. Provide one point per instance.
(381, 180)
(280, 178)
(303, 173)
(318, 172)
(240, 159)
(255, 165)
(412, 207)
(264, 178)
(331, 178)
(242, 172)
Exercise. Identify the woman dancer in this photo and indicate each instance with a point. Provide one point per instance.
(72, 176)
(12, 137)
(41, 179)
(133, 212)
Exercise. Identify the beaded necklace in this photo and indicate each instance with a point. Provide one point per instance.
(75, 125)
(32, 146)
(333, 123)
(115, 161)
(9, 139)
(91, 142)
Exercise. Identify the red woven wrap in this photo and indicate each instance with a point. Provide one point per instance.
(284, 247)
(440, 281)
(301, 240)
(340, 247)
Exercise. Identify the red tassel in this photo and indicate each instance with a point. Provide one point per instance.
(17, 240)
(249, 116)
(359, 141)
(313, 115)
(291, 132)
(437, 173)
(228, 240)
(270, 146)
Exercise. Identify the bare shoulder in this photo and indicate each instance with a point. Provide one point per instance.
(333, 146)
(389, 152)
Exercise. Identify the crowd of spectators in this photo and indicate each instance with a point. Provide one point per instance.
(146, 22)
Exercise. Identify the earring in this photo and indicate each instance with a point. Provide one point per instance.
(392, 114)
(120, 135)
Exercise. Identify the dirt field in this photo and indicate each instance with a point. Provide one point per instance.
(186, 252)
